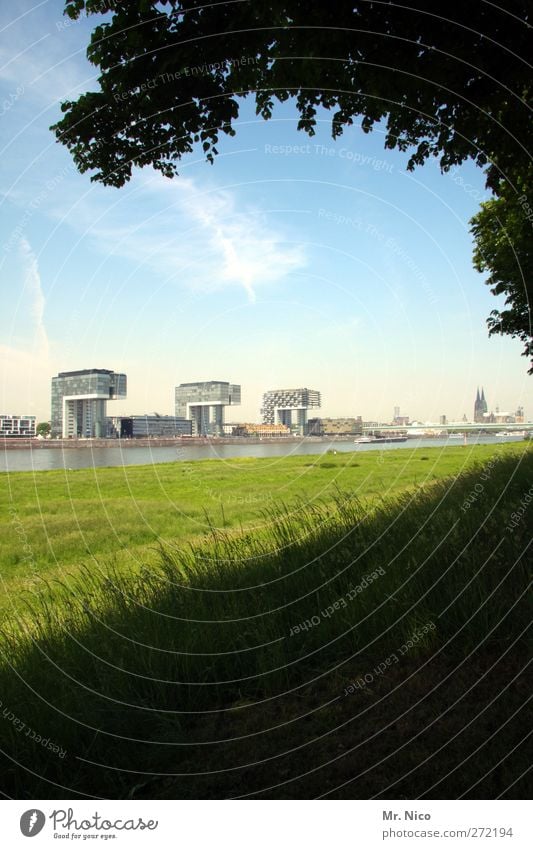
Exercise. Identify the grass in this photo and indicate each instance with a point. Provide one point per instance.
(51, 522)
(233, 669)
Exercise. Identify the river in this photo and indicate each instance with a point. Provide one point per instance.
(45, 459)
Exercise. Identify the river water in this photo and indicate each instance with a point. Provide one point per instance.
(42, 459)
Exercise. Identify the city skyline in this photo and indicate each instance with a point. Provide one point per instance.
(180, 408)
(203, 403)
(290, 262)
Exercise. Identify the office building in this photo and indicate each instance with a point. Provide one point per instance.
(79, 401)
(135, 427)
(399, 420)
(289, 407)
(335, 427)
(263, 431)
(17, 425)
(204, 403)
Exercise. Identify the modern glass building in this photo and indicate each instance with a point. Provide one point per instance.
(133, 427)
(289, 407)
(204, 404)
(79, 401)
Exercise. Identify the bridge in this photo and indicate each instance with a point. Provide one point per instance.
(454, 427)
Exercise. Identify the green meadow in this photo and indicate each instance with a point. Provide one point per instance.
(53, 522)
(359, 630)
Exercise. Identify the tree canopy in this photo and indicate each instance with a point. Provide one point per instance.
(447, 79)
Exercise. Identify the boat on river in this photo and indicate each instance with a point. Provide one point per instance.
(376, 440)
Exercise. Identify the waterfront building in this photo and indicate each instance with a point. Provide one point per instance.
(480, 406)
(203, 403)
(499, 417)
(11, 425)
(135, 427)
(79, 401)
(335, 427)
(315, 427)
(264, 431)
(289, 407)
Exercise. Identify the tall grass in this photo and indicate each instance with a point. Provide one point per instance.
(115, 670)
(51, 521)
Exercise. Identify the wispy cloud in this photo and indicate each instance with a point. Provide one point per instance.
(245, 250)
(34, 298)
(25, 354)
(204, 239)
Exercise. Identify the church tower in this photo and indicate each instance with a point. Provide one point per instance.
(483, 403)
(480, 406)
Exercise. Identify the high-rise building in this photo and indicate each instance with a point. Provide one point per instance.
(79, 401)
(289, 407)
(204, 403)
(399, 420)
(480, 406)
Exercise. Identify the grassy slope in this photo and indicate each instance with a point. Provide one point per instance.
(186, 681)
(91, 516)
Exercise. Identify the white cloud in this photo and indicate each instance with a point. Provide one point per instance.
(246, 251)
(203, 239)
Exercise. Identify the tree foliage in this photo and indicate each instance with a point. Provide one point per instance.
(503, 246)
(447, 79)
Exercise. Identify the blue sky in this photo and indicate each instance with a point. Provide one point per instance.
(289, 262)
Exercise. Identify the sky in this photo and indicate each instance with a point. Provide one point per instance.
(289, 262)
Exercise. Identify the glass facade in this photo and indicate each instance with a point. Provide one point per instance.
(132, 427)
(203, 404)
(79, 401)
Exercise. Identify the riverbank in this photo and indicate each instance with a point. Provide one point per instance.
(155, 441)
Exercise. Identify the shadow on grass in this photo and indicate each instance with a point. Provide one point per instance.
(348, 650)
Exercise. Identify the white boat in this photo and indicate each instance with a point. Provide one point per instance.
(456, 435)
